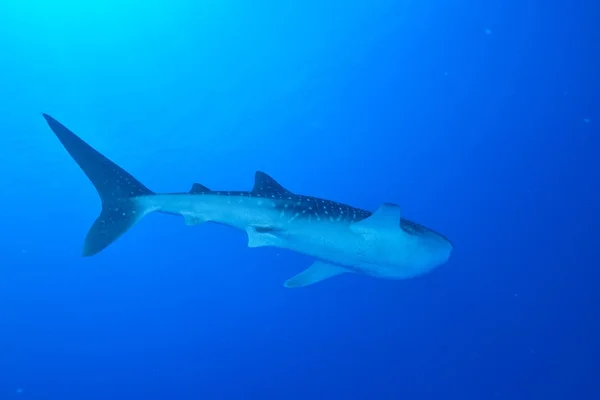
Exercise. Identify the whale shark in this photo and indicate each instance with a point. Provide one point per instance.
(341, 239)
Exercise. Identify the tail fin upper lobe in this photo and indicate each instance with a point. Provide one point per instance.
(116, 187)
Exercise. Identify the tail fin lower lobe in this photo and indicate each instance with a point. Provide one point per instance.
(116, 187)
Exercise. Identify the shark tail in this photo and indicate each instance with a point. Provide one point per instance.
(117, 189)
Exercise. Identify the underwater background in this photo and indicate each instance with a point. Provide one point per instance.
(479, 118)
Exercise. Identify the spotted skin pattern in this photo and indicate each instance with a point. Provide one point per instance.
(293, 206)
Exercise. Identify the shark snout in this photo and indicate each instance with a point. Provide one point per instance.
(445, 250)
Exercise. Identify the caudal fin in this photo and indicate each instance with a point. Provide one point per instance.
(116, 187)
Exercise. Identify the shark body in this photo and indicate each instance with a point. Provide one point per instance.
(341, 238)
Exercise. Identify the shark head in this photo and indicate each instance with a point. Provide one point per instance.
(435, 248)
(399, 248)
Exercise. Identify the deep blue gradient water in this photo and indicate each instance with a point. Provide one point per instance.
(480, 119)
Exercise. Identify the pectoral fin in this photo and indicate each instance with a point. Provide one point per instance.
(317, 272)
(386, 217)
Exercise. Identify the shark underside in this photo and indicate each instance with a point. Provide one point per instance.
(341, 238)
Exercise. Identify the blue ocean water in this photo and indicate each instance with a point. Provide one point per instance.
(480, 119)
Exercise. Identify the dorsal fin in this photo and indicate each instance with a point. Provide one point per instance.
(199, 189)
(265, 185)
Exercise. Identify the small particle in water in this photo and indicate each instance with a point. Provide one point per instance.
(587, 120)
(488, 31)
(19, 391)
